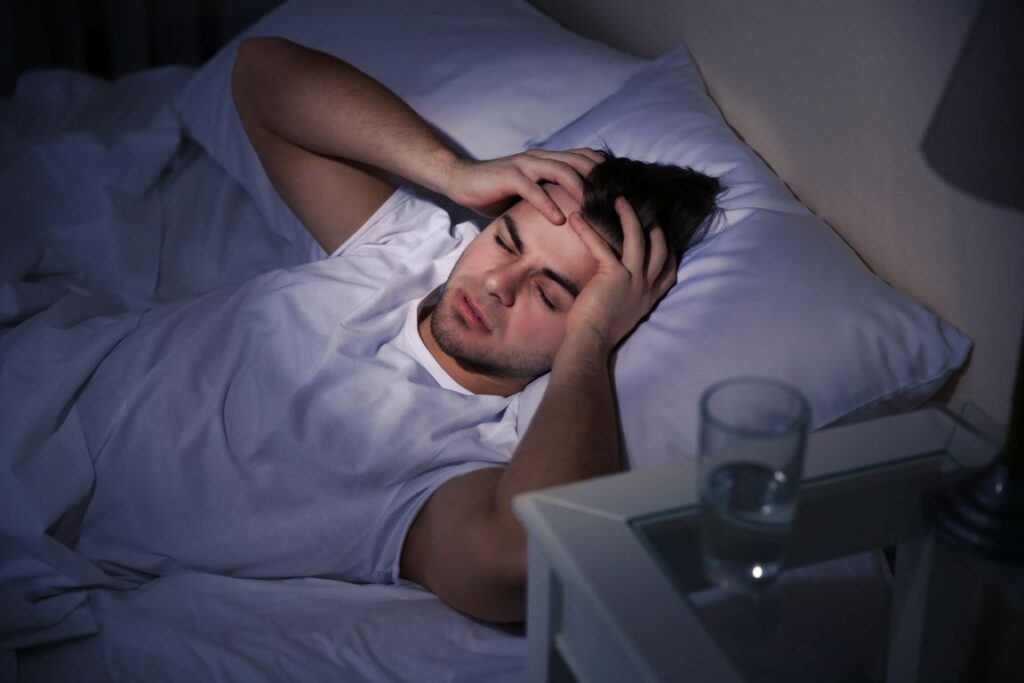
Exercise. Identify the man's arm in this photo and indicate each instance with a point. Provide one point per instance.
(466, 545)
(327, 135)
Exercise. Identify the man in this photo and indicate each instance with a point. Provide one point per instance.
(539, 290)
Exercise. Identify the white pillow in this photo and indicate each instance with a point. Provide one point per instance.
(493, 76)
(772, 291)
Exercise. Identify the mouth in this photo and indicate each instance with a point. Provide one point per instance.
(470, 313)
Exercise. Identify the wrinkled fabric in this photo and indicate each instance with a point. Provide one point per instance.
(204, 627)
(284, 427)
(276, 429)
(80, 164)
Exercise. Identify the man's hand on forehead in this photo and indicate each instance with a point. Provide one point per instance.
(624, 289)
(490, 187)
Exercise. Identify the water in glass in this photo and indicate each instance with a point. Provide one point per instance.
(747, 510)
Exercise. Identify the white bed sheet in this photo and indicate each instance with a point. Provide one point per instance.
(102, 195)
(202, 627)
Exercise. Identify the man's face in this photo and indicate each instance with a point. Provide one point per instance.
(504, 306)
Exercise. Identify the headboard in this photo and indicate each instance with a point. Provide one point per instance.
(836, 97)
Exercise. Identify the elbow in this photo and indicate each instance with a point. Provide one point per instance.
(470, 554)
(491, 587)
(509, 586)
(504, 599)
(506, 568)
(251, 46)
(240, 73)
(250, 62)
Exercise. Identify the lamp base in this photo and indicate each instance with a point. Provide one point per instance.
(983, 514)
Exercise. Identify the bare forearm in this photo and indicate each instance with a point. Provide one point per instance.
(476, 555)
(574, 434)
(329, 107)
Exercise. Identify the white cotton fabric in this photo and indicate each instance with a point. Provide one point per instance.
(287, 427)
(218, 629)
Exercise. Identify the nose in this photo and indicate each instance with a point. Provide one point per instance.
(502, 282)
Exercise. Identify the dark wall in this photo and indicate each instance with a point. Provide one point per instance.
(110, 38)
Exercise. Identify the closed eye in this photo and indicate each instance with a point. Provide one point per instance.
(502, 244)
(544, 298)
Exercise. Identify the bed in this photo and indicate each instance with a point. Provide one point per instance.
(120, 197)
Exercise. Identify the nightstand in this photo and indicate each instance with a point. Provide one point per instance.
(614, 563)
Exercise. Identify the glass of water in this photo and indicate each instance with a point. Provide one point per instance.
(752, 436)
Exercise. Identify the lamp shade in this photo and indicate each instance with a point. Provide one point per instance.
(976, 137)
(976, 142)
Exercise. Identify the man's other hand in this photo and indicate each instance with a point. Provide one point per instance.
(622, 290)
(490, 187)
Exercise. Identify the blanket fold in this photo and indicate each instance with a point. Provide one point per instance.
(70, 269)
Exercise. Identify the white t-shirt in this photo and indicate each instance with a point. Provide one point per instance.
(291, 426)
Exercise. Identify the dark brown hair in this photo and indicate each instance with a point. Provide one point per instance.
(676, 198)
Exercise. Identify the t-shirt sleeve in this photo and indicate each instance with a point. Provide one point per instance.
(402, 218)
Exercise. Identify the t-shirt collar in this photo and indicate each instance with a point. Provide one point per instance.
(423, 355)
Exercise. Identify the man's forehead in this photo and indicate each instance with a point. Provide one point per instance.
(566, 258)
(526, 213)
(529, 224)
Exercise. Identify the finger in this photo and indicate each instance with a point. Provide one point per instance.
(633, 241)
(583, 164)
(551, 169)
(667, 277)
(536, 196)
(599, 248)
(589, 153)
(594, 155)
(657, 253)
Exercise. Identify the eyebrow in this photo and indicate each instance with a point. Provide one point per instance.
(566, 284)
(513, 231)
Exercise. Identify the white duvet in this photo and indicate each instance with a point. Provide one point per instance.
(108, 212)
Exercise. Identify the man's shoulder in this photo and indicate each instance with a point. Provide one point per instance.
(405, 217)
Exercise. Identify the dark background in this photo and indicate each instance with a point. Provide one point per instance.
(110, 38)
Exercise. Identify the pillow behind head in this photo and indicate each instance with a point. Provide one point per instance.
(492, 77)
(771, 290)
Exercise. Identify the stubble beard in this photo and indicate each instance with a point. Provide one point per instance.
(446, 329)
